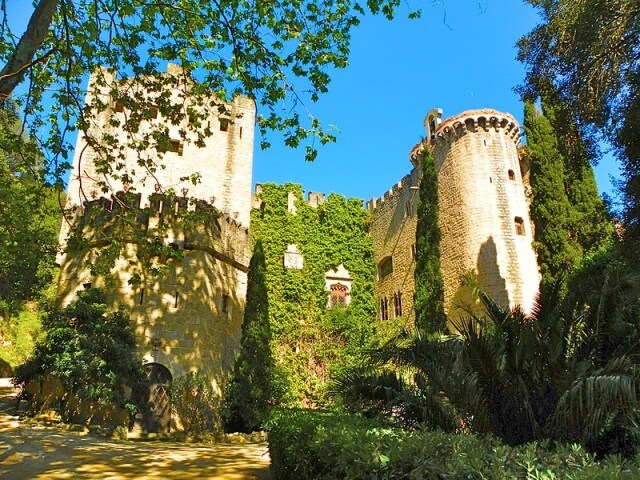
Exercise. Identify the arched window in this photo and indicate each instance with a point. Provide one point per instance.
(385, 267)
(338, 294)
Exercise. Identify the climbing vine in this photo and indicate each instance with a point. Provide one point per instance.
(310, 342)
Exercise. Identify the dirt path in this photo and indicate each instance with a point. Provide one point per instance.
(29, 451)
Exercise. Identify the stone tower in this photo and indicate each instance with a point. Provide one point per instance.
(188, 313)
(223, 162)
(484, 221)
(484, 215)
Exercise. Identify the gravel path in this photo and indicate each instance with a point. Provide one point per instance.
(34, 451)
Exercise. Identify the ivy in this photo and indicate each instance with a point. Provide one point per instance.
(311, 342)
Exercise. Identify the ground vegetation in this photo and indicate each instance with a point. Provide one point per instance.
(568, 372)
(91, 352)
(324, 445)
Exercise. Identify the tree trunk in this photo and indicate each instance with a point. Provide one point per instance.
(17, 65)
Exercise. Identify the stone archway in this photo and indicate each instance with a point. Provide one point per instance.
(151, 397)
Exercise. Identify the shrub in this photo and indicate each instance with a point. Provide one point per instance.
(89, 352)
(195, 404)
(320, 445)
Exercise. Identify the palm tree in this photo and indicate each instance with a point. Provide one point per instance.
(569, 371)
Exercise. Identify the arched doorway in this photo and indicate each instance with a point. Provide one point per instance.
(151, 397)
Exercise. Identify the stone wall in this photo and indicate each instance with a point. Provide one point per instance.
(481, 199)
(188, 317)
(224, 161)
(393, 231)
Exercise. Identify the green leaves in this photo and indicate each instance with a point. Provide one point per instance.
(429, 287)
(93, 353)
(281, 54)
(310, 343)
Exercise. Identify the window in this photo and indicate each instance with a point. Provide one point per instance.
(384, 309)
(512, 175)
(338, 295)
(177, 147)
(397, 304)
(224, 124)
(175, 302)
(519, 222)
(385, 267)
(141, 296)
(118, 107)
(226, 304)
(152, 112)
(240, 132)
(413, 251)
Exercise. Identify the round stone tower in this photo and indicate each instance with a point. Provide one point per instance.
(484, 214)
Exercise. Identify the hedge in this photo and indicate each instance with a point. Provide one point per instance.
(322, 445)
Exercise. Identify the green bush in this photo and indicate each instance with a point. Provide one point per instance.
(319, 445)
(195, 404)
(90, 351)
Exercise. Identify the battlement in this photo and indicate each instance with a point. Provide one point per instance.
(475, 121)
(314, 199)
(182, 223)
(166, 138)
(408, 182)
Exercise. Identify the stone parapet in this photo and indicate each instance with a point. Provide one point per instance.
(475, 121)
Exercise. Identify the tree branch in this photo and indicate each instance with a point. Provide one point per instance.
(22, 58)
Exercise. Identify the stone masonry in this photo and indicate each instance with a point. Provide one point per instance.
(189, 316)
(484, 217)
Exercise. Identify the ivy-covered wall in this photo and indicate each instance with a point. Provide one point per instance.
(310, 341)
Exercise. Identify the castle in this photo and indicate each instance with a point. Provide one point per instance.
(486, 232)
(189, 316)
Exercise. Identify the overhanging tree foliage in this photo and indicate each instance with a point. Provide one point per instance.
(280, 53)
(249, 395)
(590, 52)
(429, 289)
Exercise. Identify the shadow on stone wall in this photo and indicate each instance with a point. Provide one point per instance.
(186, 316)
(486, 277)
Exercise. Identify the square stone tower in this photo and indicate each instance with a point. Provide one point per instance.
(137, 191)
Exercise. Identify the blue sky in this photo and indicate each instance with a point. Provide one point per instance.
(456, 59)
(460, 55)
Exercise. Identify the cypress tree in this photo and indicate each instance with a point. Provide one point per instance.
(248, 394)
(428, 298)
(590, 227)
(550, 207)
